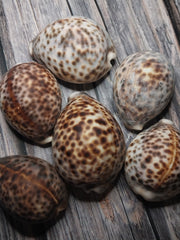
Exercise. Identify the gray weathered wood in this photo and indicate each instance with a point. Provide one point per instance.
(173, 8)
(134, 25)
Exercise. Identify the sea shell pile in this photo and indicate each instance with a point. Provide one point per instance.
(88, 143)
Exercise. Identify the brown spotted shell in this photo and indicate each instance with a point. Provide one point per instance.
(31, 188)
(88, 144)
(75, 49)
(30, 99)
(152, 164)
(143, 87)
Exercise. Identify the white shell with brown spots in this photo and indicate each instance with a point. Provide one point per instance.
(30, 99)
(152, 164)
(75, 49)
(143, 87)
(88, 144)
(31, 188)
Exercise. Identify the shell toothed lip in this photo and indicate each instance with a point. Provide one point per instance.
(75, 49)
(88, 144)
(152, 164)
(31, 101)
(143, 87)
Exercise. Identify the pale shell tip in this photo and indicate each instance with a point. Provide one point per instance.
(111, 56)
(75, 94)
(31, 48)
(166, 121)
(45, 141)
(136, 127)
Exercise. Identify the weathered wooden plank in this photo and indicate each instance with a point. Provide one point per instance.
(134, 26)
(173, 8)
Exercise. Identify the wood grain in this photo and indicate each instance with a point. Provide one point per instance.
(173, 8)
(133, 25)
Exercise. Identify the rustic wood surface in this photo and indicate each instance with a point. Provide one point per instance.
(133, 25)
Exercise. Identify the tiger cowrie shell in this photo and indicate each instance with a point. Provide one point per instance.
(152, 163)
(31, 188)
(30, 99)
(75, 49)
(88, 144)
(143, 86)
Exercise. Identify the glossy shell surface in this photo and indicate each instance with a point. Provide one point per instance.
(143, 87)
(152, 164)
(30, 99)
(31, 188)
(88, 144)
(75, 49)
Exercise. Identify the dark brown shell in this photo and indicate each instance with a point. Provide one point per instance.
(31, 100)
(31, 188)
(88, 144)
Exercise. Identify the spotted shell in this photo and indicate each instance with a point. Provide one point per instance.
(30, 99)
(143, 87)
(152, 164)
(75, 49)
(31, 188)
(88, 144)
